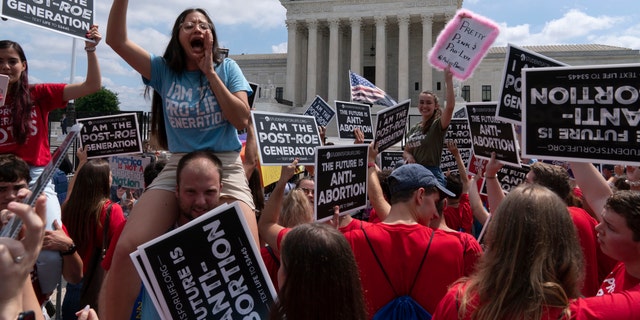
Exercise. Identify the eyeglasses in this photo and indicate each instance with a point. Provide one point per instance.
(189, 26)
(307, 190)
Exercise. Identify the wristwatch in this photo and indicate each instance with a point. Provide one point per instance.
(71, 250)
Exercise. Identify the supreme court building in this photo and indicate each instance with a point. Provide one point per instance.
(387, 42)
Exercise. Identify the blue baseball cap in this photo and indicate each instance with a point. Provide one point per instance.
(413, 176)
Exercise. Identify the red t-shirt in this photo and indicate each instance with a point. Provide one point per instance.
(618, 280)
(36, 150)
(272, 264)
(116, 224)
(448, 306)
(469, 248)
(619, 305)
(400, 249)
(459, 218)
(354, 224)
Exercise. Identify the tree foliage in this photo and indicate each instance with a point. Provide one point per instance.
(101, 101)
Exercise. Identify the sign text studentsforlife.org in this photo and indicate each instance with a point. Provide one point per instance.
(587, 113)
(72, 18)
(209, 269)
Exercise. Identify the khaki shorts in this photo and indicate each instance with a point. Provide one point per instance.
(234, 181)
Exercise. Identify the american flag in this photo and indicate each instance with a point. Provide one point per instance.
(362, 90)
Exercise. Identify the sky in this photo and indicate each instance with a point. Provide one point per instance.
(257, 26)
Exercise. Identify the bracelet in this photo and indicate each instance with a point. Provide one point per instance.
(490, 177)
(72, 249)
(89, 49)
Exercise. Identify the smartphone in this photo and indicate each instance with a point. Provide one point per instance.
(4, 84)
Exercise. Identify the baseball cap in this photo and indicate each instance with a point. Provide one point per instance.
(413, 176)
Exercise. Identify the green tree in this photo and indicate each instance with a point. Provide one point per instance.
(102, 101)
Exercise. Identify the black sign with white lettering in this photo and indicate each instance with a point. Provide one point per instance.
(509, 106)
(210, 268)
(389, 159)
(110, 135)
(353, 115)
(587, 113)
(283, 137)
(391, 125)
(320, 110)
(448, 161)
(72, 18)
(341, 179)
(491, 135)
(509, 178)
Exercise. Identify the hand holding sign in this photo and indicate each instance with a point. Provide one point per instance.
(463, 43)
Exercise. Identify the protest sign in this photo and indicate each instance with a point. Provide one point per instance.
(448, 161)
(353, 115)
(460, 133)
(391, 125)
(320, 110)
(128, 171)
(283, 137)
(72, 18)
(4, 84)
(509, 178)
(463, 43)
(110, 135)
(209, 268)
(476, 165)
(491, 135)
(586, 113)
(340, 179)
(509, 105)
(252, 98)
(390, 159)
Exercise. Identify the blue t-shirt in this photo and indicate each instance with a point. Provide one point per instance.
(193, 118)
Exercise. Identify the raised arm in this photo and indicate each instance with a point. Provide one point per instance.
(268, 226)
(594, 187)
(479, 211)
(451, 99)
(93, 80)
(374, 189)
(138, 58)
(81, 153)
(494, 190)
(464, 178)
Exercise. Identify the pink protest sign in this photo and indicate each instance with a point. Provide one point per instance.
(463, 43)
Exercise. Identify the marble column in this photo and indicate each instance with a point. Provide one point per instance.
(427, 44)
(334, 28)
(356, 45)
(381, 52)
(292, 84)
(312, 60)
(403, 57)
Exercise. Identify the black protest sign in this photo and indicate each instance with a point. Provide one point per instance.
(509, 106)
(72, 18)
(252, 97)
(509, 178)
(210, 268)
(353, 115)
(587, 113)
(389, 159)
(320, 110)
(459, 132)
(283, 137)
(391, 125)
(491, 135)
(448, 161)
(341, 179)
(110, 135)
